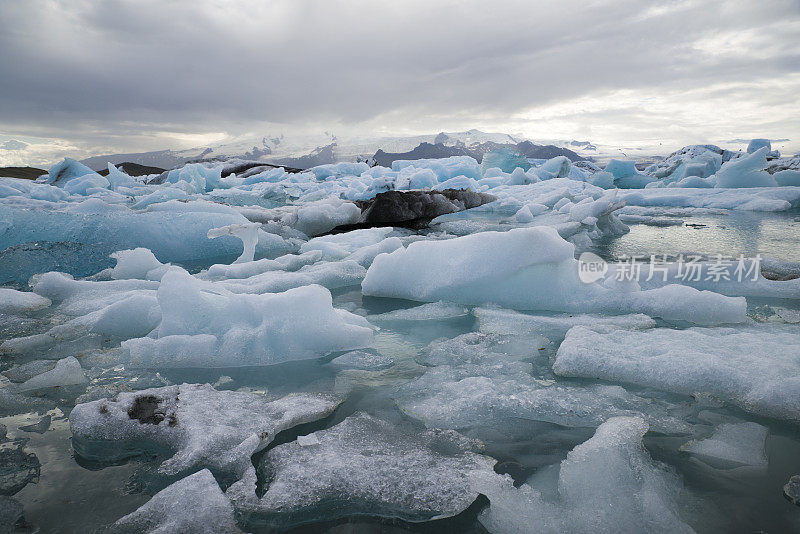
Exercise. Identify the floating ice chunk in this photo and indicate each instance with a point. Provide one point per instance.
(448, 397)
(557, 167)
(13, 301)
(86, 185)
(215, 429)
(288, 262)
(499, 321)
(316, 218)
(601, 179)
(133, 315)
(606, 484)
(174, 233)
(39, 427)
(339, 246)
(460, 182)
(322, 172)
(139, 263)
(412, 178)
(435, 311)
(694, 181)
(66, 170)
(67, 372)
(193, 504)
(331, 275)
(732, 445)
(248, 233)
(445, 168)
(481, 380)
(365, 466)
(747, 171)
(504, 159)
(529, 269)
(161, 195)
(621, 169)
(363, 361)
(26, 371)
(741, 277)
(13, 403)
(756, 368)
(756, 144)
(117, 178)
(198, 178)
(761, 199)
(202, 324)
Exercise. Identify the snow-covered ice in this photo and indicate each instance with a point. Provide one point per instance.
(726, 362)
(364, 465)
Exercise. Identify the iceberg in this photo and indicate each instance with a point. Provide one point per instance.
(732, 446)
(606, 484)
(747, 171)
(491, 267)
(203, 324)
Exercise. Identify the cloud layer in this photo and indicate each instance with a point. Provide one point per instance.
(127, 75)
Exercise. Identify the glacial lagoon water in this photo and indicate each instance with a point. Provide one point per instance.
(72, 494)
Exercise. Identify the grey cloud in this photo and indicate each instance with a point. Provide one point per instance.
(113, 72)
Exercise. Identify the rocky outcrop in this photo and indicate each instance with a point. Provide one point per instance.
(413, 209)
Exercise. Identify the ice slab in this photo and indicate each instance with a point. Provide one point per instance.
(435, 311)
(203, 426)
(528, 269)
(365, 466)
(748, 199)
(67, 372)
(732, 445)
(756, 368)
(193, 504)
(554, 327)
(479, 380)
(606, 484)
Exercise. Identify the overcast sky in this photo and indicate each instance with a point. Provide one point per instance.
(86, 77)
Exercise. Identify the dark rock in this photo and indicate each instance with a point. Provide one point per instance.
(413, 209)
(133, 169)
(145, 409)
(531, 150)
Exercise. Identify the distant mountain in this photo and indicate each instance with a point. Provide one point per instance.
(306, 151)
(477, 151)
